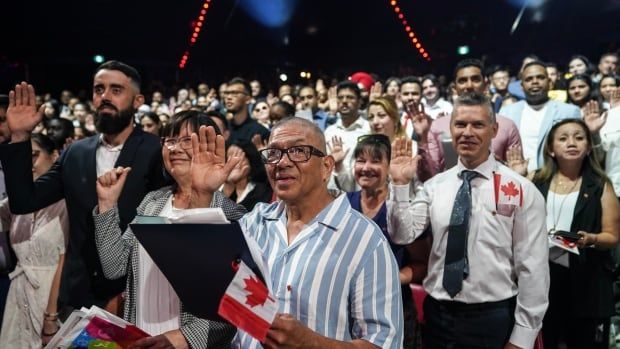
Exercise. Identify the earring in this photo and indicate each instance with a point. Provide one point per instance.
(552, 154)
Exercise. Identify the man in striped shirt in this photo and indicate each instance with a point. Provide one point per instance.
(330, 268)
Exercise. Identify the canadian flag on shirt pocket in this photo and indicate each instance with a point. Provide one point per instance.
(247, 303)
(508, 194)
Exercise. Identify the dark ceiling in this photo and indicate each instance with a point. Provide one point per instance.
(52, 43)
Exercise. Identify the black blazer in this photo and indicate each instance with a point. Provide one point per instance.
(590, 273)
(73, 177)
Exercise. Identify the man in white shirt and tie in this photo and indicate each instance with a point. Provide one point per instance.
(488, 276)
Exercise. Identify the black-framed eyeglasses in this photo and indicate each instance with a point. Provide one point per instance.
(170, 143)
(297, 153)
(376, 138)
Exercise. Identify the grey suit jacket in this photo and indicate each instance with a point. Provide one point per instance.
(119, 257)
(555, 112)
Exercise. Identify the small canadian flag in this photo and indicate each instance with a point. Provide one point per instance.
(247, 304)
(507, 191)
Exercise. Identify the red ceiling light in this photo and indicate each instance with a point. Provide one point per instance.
(197, 25)
(409, 30)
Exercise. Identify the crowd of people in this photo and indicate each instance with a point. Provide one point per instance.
(497, 191)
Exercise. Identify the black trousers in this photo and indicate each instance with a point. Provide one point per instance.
(560, 326)
(455, 325)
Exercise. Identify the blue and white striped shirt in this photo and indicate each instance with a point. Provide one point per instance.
(338, 277)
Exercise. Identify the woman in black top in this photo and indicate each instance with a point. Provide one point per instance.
(580, 199)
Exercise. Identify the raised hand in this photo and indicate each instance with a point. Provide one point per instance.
(319, 84)
(614, 99)
(515, 160)
(242, 169)
(403, 165)
(337, 150)
(376, 91)
(68, 142)
(109, 187)
(592, 116)
(272, 99)
(209, 167)
(22, 115)
(332, 100)
(421, 121)
(258, 142)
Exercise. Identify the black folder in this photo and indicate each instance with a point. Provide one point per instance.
(197, 260)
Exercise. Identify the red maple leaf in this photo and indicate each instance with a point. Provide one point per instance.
(510, 189)
(257, 292)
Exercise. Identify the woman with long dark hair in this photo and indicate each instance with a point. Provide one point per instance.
(580, 90)
(580, 200)
(39, 240)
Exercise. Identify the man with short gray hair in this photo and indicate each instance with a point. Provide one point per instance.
(488, 275)
(331, 270)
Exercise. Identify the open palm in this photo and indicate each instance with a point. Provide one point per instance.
(515, 160)
(22, 115)
(592, 116)
(209, 168)
(337, 149)
(421, 120)
(403, 165)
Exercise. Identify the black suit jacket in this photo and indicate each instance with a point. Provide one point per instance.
(73, 177)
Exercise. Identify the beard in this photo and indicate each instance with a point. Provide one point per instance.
(108, 123)
(536, 98)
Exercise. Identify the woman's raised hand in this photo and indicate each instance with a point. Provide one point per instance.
(209, 168)
(403, 165)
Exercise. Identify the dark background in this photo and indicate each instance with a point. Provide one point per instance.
(52, 43)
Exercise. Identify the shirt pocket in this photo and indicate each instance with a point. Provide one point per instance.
(494, 229)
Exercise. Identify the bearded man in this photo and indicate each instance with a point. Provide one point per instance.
(116, 97)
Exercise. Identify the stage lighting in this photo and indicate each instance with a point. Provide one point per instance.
(98, 59)
(463, 50)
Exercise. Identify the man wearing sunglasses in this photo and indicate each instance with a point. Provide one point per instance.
(330, 269)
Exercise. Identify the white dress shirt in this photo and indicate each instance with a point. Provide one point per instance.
(106, 156)
(508, 255)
